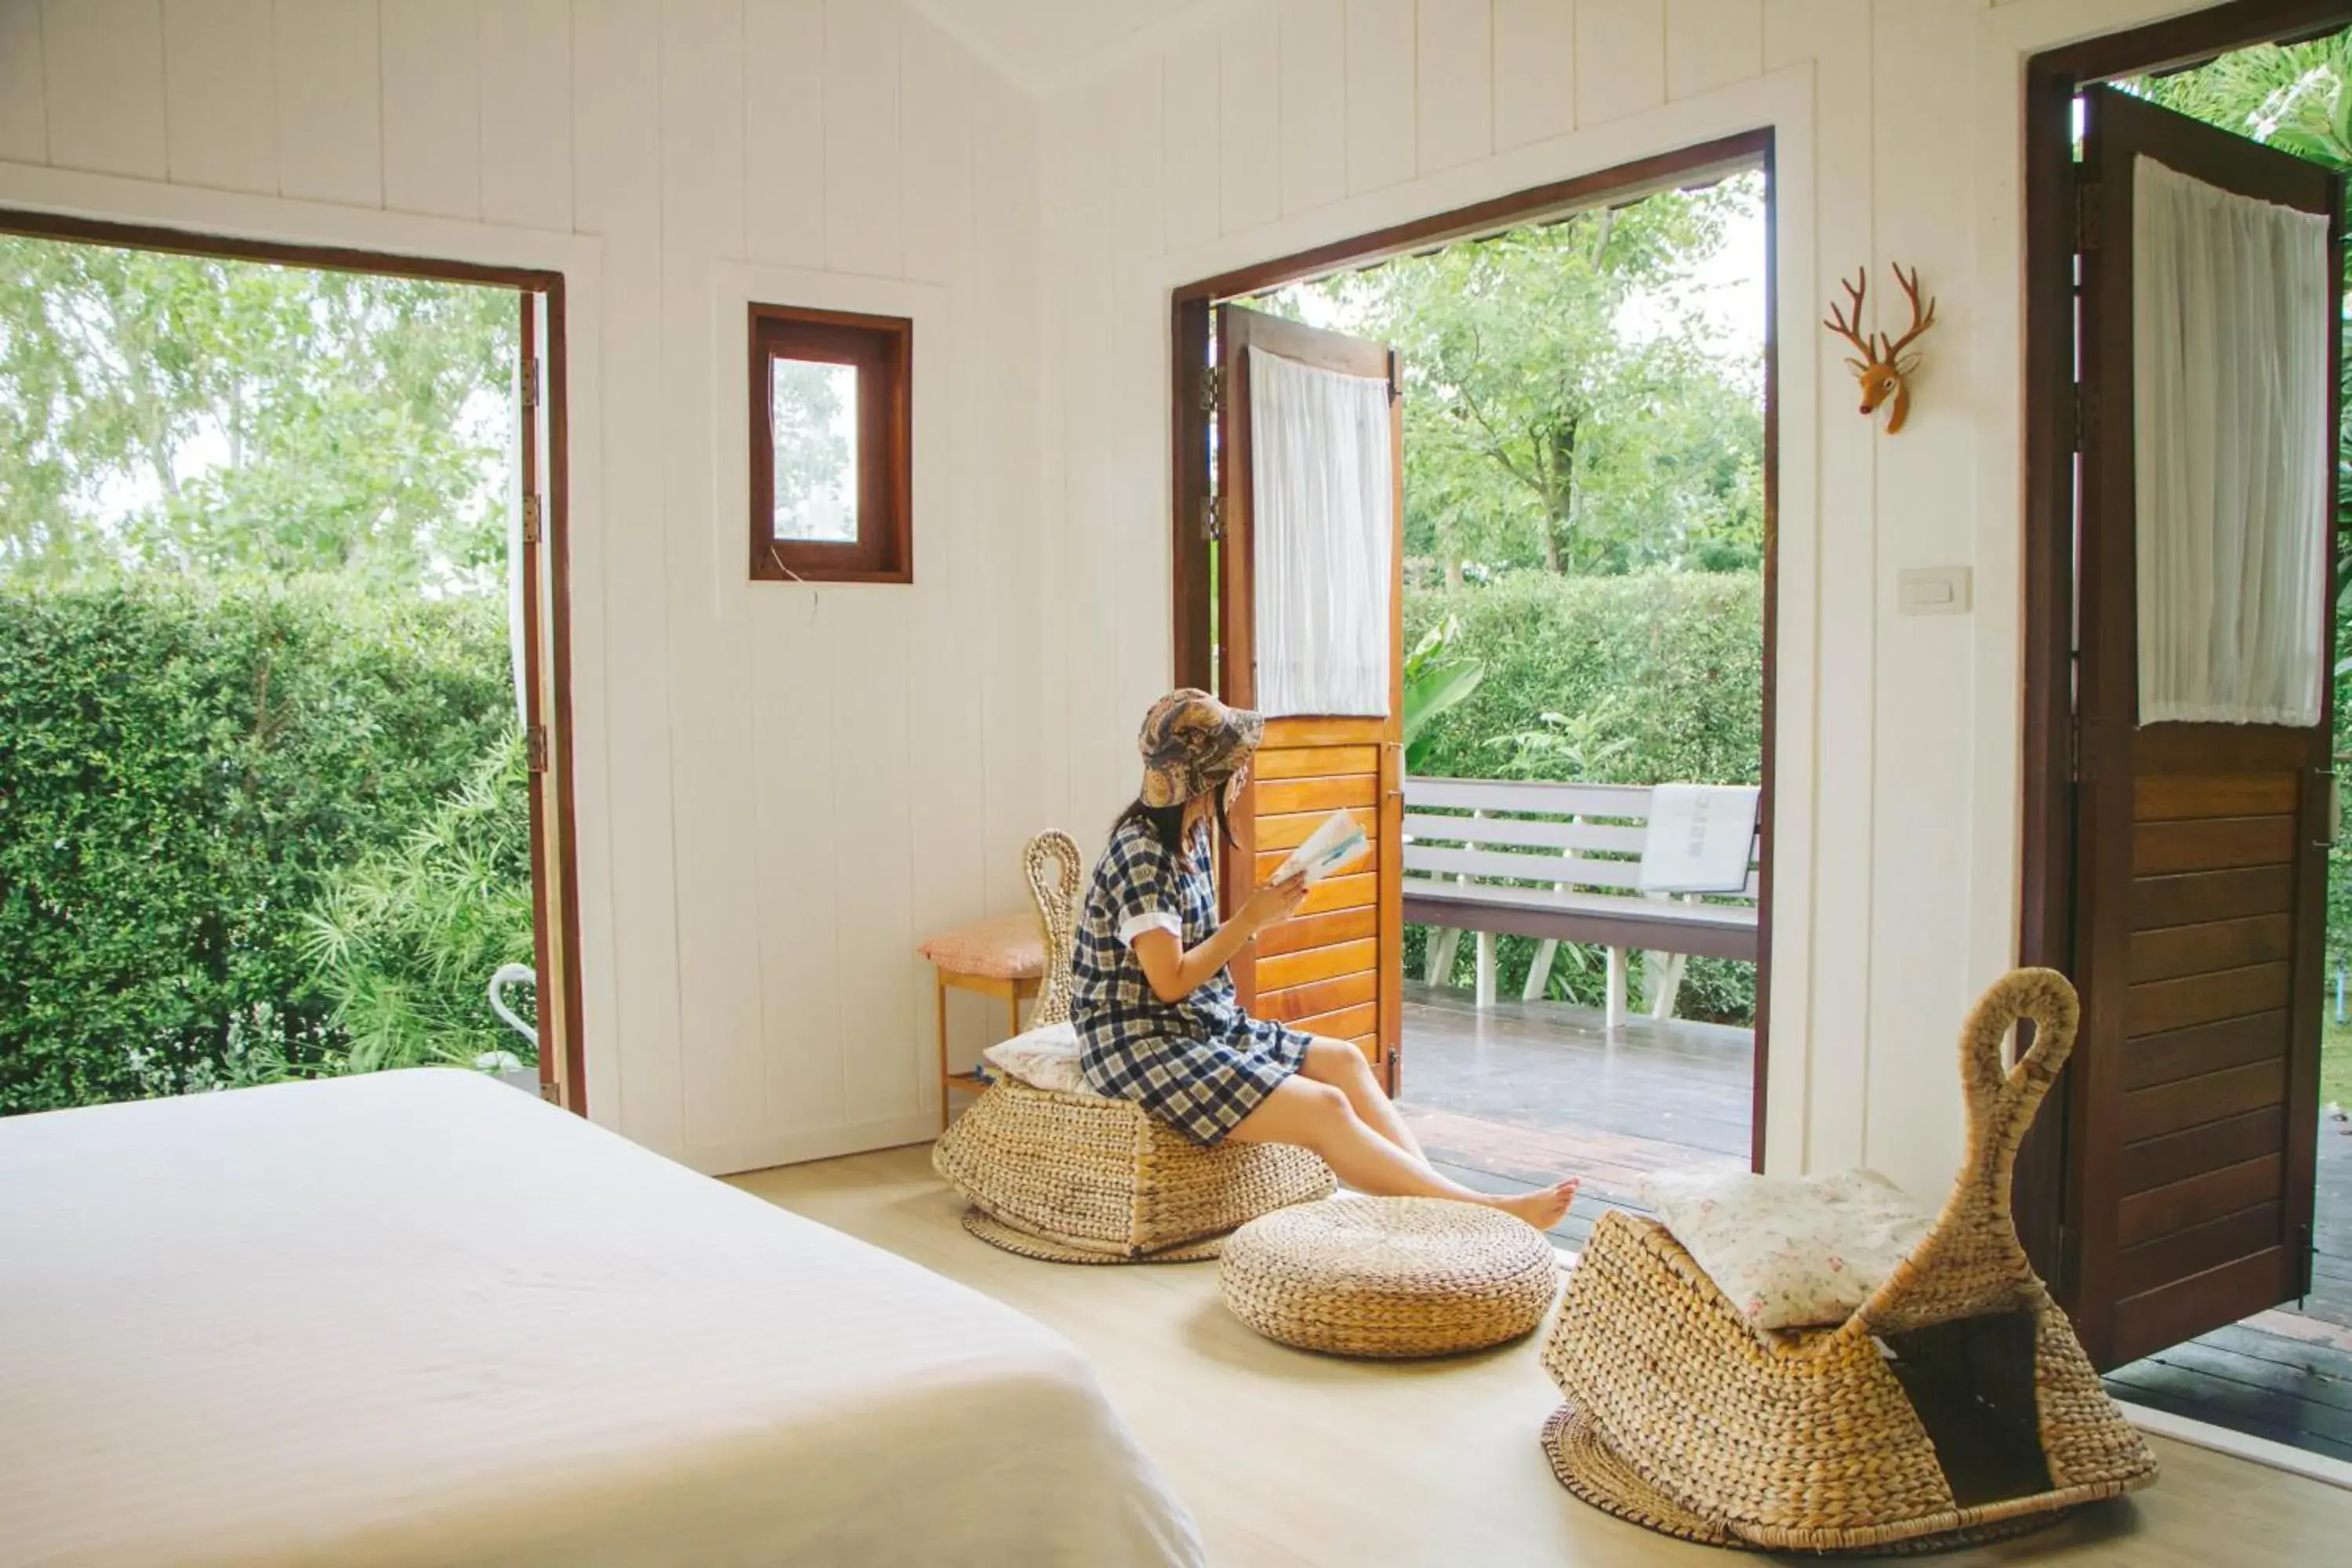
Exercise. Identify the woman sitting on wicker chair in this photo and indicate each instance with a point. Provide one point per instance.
(1157, 1017)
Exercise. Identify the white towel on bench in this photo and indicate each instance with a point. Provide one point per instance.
(1699, 838)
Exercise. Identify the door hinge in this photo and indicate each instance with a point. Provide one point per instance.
(2086, 415)
(534, 746)
(2086, 216)
(530, 520)
(1212, 388)
(551, 1092)
(530, 381)
(1212, 518)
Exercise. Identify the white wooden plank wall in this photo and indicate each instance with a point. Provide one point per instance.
(781, 790)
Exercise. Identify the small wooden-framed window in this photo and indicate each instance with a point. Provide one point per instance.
(831, 454)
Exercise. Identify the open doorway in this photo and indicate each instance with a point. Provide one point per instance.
(1580, 383)
(280, 592)
(2184, 860)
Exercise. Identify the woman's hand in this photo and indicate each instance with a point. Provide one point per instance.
(1175, 972)
(1275, 902)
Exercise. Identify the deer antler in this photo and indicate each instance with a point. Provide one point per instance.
(1850, 330)
(1920, 319)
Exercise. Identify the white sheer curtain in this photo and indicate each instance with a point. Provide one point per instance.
(2230, 392)
(1323, 510)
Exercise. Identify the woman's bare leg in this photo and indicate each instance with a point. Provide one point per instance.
(1344, 1068)
(1317, 1116)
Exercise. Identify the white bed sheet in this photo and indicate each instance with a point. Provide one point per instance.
(420, 1318)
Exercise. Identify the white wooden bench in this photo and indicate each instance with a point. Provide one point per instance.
(1561, 862)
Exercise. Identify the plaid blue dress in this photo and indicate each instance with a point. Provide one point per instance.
(1199, 1065)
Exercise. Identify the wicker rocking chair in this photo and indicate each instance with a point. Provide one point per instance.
(1080, 1178)
(1954, 1406)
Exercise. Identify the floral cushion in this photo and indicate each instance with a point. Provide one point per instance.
(1003, 947)
(1044, 1057)
(1790, 1251)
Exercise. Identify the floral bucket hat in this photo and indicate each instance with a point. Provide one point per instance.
(1192, 744)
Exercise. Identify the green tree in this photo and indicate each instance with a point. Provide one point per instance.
(1539, 428)
(188, 414)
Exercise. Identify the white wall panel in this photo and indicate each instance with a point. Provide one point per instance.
(784, 120)
(1456, 77)
(863, 227)
(1249, 118)
(526, 124)
(616, 58)
(1621, 58)
(935, 152)
(220, 100)
(1712, 42)
(1535, 70)
(1314, 88)
(1380, 93)
(24, 106)
(329, 108)
(432, 106)
(1188, 140)
(103, 83)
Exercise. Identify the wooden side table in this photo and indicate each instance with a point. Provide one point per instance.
(1004, 957)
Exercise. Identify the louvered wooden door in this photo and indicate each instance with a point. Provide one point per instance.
(1337, 968)
(2200, 872)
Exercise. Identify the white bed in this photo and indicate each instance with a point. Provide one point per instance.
(420, 1318)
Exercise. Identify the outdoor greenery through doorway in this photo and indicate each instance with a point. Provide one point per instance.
(1584, 509)
(263, 804)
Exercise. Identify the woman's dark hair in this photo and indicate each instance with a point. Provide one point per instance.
(1167, 822)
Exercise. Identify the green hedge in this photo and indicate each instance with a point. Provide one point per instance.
(1630, 680)
(181, 769)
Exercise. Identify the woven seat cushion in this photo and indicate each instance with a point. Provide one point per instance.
(1078, 1178)
(1003, 947)
(1389, 1276)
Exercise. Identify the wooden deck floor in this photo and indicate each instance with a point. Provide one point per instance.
(2284, 1374)
(1516, 1097)
(1522, 1094)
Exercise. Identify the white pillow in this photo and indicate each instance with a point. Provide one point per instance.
(1790, 1251)
(1046, 1058)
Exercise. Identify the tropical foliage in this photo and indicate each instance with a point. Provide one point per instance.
(185, 769)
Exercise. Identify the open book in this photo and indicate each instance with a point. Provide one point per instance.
(1336, 843)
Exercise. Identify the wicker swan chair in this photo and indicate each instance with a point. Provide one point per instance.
(1955, 1404)
(1079, 1178)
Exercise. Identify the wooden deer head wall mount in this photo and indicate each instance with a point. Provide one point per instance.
(1884, 369)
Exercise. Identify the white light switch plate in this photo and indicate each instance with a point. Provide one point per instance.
(1932, 590)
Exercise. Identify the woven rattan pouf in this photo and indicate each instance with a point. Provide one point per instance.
(1389, 1277)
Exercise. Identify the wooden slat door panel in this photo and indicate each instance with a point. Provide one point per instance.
(2200, 875)
(1337, 968)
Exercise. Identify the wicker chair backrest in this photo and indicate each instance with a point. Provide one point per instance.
(1052, 862)
(1971, 1261)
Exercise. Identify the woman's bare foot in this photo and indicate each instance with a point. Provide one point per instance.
(1542, 1209)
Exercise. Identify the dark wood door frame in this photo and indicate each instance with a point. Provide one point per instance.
(2046, 933)
(564, 894)
(1193, 305)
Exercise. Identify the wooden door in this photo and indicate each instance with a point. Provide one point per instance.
(2200, 864)
(1337, 969)
(560, 1077)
